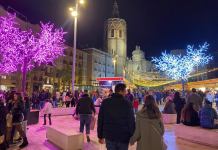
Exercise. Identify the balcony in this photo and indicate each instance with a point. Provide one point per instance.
(99, 70)
(46, 73)
(71, 63)
(65, 62)
(71, 54)
(95, 69)
(108, 72)
(80, 57)
(108, 65)
(103, 70)
(35, 78)
(99, 62)
(103, 63)
(95, 62)
(41, 79)
(65, 53)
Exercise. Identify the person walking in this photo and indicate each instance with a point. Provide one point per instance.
(9, 128)
(57, 95)
(210, 97)
(48, 111)
(116, 121)
(179, 105)
(47, 95)
(34, 100)
(94, 95)
(149, 127)
(129, 96)
(3, 124)
(42, 99)
(135, 103)
(158, 97)
(85, 108)
(17, 113)
(196, 99)
(26, 114)
(63, 98)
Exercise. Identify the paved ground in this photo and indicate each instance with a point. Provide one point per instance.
(37, 137)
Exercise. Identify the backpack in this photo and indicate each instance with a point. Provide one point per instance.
(206, 119)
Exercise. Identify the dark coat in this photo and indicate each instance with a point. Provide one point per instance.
(3, 122)
(179, 104)
(159, 96)
(129, 97)
(42, 96)
(85, 105)
(48, 95)
(116, 121)
(26, 112)
(169, 108)
(17, 113)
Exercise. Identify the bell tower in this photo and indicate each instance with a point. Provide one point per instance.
(115, 40)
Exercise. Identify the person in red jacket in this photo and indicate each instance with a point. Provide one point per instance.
(135, 104)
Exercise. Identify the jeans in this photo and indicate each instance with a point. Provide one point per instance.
(178, 112)
(42, 104)
(38, 106)
(85, 119)
(113, 145)
(49, 117)
(135, 110)
(34, 106)
(158, 100)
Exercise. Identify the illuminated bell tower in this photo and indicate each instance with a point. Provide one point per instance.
(115, 40)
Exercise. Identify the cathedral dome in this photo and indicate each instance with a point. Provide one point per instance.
(138, 55)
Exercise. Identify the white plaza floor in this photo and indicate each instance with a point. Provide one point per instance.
(37, 137)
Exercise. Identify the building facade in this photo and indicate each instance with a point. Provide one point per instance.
(99, 64)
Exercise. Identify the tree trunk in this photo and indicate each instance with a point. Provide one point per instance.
(183, 87)
(24, 75)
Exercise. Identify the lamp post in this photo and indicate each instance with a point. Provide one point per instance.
(74, 13)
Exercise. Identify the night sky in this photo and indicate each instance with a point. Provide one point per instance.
(157, 25)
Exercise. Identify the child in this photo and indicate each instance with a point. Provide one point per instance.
(48, 110)
(9, 127)
(135, 103)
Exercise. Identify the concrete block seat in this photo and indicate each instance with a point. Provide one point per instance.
(65, 138)
(60, 111)
(169, 118)
(197, 134)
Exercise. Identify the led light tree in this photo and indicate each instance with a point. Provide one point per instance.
(20, 49)
(180, 67)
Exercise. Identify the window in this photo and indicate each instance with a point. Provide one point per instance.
(13, 78)
(120, 33)
(112, 33)
(3, 77)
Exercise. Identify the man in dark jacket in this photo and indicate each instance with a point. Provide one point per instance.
(47, 95)
(85, 108)
(158, 97)
(116, 121)
(42, 99)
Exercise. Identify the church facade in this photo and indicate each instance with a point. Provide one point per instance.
(115, 43)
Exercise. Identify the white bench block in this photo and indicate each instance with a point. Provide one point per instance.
(97, 110)
(197, 134)
(65, 138)
(169, 118)
(60, 111)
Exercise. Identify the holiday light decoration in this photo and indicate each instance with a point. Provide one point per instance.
(20, 49)
(178, 67)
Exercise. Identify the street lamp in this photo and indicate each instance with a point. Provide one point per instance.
(74, 13)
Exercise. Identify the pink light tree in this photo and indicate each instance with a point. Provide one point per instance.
(20, 49)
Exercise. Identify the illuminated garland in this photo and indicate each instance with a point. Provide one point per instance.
(140, 80)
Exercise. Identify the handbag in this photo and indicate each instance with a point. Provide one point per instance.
(164, 146)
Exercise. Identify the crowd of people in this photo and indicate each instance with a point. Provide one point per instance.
(120, 122)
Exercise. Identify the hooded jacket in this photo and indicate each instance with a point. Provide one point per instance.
(213, 113)
(145, 135)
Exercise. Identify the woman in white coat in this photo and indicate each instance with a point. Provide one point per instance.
(48, 110)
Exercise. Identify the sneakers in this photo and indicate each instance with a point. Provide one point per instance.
(24, 144)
